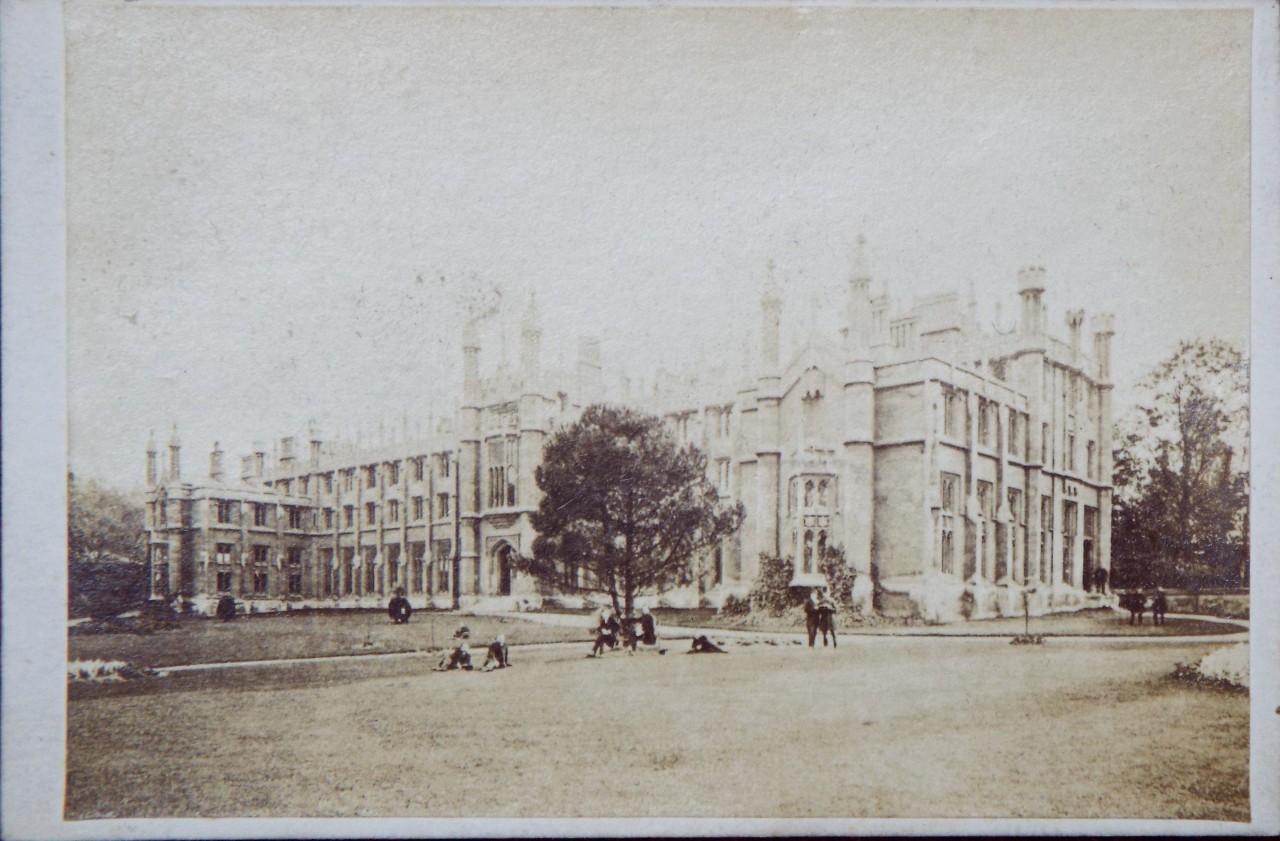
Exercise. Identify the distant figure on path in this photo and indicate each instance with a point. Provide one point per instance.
(1100, 580)
(827, 618)
(703, 645)
(498, 656)
(226, 608)
(463, 633)
(458, 658)
(1159, 606)
(811, 615)
(1136, 603)
(398, 608)
(607, 628)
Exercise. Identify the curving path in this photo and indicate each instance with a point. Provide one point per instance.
(673, 633)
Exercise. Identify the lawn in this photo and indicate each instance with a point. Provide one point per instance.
(881, 727)
(304, 634)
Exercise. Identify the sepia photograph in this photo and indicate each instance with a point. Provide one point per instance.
(442, 381)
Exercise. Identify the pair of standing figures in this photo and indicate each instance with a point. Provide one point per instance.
(820, 615)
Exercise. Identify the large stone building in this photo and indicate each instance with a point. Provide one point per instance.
(957, 467)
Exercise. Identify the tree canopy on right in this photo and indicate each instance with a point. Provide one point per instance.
(1181, 511)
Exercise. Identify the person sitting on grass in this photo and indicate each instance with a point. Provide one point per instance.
(607, 629)
(458, 658)
(703, 645)
(498, 656)
(648, 627)
(398, 608)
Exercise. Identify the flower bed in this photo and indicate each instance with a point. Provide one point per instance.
(1226, 668)
(97, 671)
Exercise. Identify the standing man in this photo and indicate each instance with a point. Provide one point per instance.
(1159, 605)
(811, 615)
(827, 618)
(1100, 580)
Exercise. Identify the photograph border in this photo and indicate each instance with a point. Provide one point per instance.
(35, 462)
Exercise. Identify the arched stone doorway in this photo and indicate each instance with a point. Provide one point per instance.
(504, 569)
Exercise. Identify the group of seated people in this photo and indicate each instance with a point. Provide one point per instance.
(497, 655)
(628, 632)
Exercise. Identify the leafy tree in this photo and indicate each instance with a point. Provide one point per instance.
(1181, 477)
(106, 570)
(625, 510)
(102, 523)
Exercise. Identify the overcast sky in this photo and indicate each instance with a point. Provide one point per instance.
(278, 215)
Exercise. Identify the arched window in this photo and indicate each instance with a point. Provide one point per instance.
(822, 493)
(808, 494)
(822, 546)
(808, 551)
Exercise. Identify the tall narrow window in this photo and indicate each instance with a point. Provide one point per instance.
(949, 492)
(1046, 538)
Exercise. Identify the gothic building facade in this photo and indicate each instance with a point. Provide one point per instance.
(955, 468)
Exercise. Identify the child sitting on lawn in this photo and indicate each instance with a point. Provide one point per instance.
(458, 658)
(498, 656)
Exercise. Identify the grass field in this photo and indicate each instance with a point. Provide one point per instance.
(304, 634)
(898, 727)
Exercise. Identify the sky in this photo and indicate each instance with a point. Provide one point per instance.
(280, 215)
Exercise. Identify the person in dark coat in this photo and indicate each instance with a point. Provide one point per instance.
(648, 627)
(827, 619)
(703, 645)
(811, 615)
(1136, 603)
(498, 656)
(1159, 606)
(1100, 580)
(398, 608)
(226, 608)
(607, 629)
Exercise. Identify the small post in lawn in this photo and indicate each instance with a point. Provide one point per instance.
(1026, 638)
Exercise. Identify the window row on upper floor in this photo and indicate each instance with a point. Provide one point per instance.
(367, 476)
